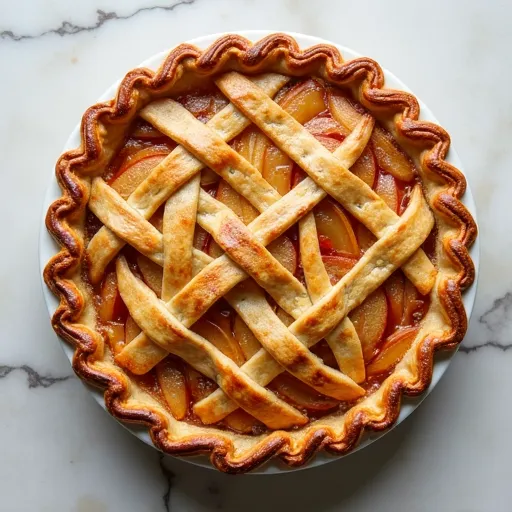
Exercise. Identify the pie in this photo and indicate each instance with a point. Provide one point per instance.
(261, 250)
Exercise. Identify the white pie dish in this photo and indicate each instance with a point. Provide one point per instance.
(48, 247)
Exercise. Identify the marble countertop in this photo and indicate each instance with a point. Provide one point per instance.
(60, 451)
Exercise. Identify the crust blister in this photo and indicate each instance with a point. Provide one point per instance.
(279, 53)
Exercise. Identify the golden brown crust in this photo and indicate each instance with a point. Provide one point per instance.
(279, 53)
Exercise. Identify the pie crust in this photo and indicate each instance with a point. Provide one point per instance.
(247, 74)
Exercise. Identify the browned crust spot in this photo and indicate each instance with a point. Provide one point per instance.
(249, 58)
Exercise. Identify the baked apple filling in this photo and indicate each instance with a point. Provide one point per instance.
(386, 322)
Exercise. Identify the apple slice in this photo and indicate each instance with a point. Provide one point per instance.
(158, 218)
(390, 157)
(283, 250)
(327, 131)
(212, 248)
(297, 175)
(337, 266)
(392, 351)
(252, 145)
(224, 319)
(394, 288)
(198, 385)
(249, 213)
(203, 241)
(208, 177)
(151, 272)
(326, 125)
(136, 169)
(219, 101)
(323, 351)
(131, 329)
(205, 104)
(370, 320)
(222, 316)
(116, 337)
(277, 169)
(343, 110)
(413, 305)
(333, 224)
(201, 238)
(365, 168)
(364, 237)
(245, 338)
(387, 189)
(120, 311)
(233, 200)
(173, 384)
(241, 421)
(221, 338)
(304, 101)
(230, 197)
(328, 142)
(284, 316)
(197, 104)
(108, 297)
(301, 394)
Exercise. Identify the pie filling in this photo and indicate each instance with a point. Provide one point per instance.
(387, 320)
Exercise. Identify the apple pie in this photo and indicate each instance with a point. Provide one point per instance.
(261, 248)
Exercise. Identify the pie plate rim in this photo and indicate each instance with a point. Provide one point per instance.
(48, 247)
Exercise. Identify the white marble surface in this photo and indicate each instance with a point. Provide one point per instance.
(60, 451)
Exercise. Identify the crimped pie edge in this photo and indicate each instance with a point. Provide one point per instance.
(282, 53)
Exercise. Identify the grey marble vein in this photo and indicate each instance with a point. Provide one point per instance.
(489, 344)
(169, 477)
(496, 320)
(35, 379)
(498, 314)
(102, 17)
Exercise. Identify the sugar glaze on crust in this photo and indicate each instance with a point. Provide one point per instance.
(103, 124)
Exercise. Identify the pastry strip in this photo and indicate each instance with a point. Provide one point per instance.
(220, 276)
(152, 316)
(178, 237)
(345, 343)
(322, 166)
(250, 254)
(173, 119)
(290, 353)
(169, 175)
(376, 265)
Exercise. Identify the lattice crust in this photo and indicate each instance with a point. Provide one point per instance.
(248, 273)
